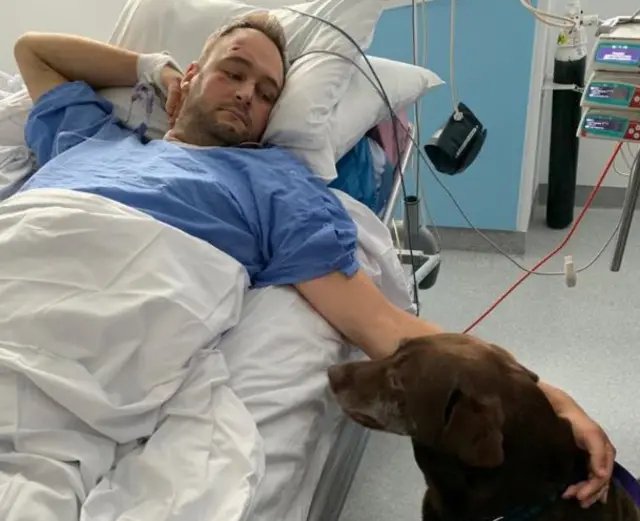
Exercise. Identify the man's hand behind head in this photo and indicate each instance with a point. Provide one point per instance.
(172, 82)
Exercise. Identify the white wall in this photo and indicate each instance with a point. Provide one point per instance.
(593, 153)
(91, 18)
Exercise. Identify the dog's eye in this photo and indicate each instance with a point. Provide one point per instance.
(454, 398)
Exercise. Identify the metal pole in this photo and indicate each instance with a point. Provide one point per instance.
(402, 162)
(628, 209)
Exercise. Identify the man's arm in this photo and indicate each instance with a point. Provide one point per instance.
(358, 309)
(355, 307)
(48, 60)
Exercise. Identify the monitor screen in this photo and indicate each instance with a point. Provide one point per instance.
(612, 92)
(619, 54)
(610, 124)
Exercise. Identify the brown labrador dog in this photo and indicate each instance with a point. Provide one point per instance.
(484, 435)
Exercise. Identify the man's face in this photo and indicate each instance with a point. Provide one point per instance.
(231, 96)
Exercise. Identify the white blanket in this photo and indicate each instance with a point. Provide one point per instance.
(129, 314)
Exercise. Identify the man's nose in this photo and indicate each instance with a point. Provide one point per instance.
(245, 93)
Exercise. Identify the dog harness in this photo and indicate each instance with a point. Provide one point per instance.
(531, 512)
(621, 476)
(625, 480)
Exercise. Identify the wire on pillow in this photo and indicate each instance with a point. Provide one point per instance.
(394, 118)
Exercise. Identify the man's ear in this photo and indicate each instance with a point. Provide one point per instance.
(473, 429)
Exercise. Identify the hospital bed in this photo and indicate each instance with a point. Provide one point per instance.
(307, 478)
(278, 368)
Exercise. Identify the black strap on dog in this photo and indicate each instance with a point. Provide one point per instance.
(528, 513)
(626, 480)
(533, 512)
(621, 476)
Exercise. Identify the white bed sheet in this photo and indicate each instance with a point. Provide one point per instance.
(278, 356)
(330, 432)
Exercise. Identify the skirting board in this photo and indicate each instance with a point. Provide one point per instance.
(607, 197)
(511, 242)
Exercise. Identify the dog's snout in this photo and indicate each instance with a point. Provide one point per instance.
(334, 374)
(336, 377)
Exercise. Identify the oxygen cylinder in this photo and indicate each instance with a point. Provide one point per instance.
(570, 63)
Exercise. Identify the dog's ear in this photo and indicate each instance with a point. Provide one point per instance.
(513, 362)
(473, 428)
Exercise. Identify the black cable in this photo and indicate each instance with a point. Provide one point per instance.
(394, 118)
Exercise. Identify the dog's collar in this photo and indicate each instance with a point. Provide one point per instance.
(528, 513)
(621, 476)
(624, 479)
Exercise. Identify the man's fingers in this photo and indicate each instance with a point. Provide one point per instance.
(611, 459)
(590, 491)
(177, 92)
(592, 438)
(601, 496)
(603, 461)
(571, 492)
(173, 98)
(602, 453)
(596, 446)
(601, 467)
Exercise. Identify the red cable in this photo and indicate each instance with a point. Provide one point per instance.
(526, 275)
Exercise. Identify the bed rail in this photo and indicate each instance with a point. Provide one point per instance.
(346, 453)
(420, 251)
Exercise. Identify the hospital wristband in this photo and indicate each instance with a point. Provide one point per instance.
(150, 67)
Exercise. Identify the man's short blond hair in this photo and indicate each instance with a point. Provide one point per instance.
(261, 21)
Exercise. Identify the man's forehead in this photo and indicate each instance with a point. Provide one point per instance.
(255, 48)
(244, 35)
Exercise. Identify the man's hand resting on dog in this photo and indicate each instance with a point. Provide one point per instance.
(356, 308)
(590, 437)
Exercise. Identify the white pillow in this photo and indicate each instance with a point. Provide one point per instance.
(14, 110)
(362, 108)
(315, 83)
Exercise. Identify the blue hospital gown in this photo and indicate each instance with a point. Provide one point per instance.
(261, 206)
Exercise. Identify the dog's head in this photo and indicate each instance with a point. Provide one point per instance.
(450, 392)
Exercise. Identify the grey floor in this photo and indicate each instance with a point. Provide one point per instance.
(585, 340)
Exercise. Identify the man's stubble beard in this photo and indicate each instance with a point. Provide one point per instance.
(200, 127)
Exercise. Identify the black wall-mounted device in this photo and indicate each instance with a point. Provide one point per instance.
(455, 146)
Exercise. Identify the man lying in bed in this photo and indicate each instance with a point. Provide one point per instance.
(258, 204)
